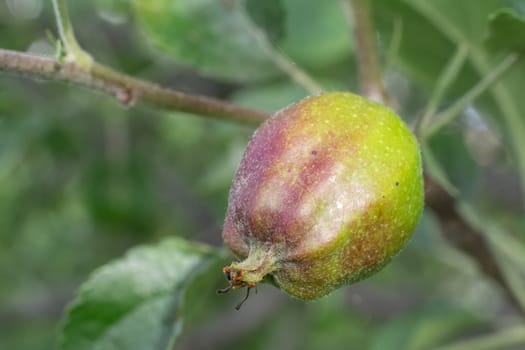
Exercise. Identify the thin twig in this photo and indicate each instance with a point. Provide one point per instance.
(358, 14)
(126, 89)
(74, 53)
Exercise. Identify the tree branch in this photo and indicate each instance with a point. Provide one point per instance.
(126, 89)
(454, 228)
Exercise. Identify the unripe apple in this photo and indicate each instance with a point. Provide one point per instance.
(329, 189)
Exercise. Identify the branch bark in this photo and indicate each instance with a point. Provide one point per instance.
(126, 89)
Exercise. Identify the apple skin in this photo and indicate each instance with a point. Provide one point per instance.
(329, 189)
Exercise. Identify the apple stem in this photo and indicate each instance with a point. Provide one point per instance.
(249, 272)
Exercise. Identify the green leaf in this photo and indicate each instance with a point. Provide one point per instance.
(137, 302)
(506, 31)
(447, 158)
(268, 15)
(212, 36)
(434, 167)
(317, 33)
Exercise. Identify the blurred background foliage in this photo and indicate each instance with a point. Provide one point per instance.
(83, 179)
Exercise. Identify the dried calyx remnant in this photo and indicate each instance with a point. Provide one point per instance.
(328, 190)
